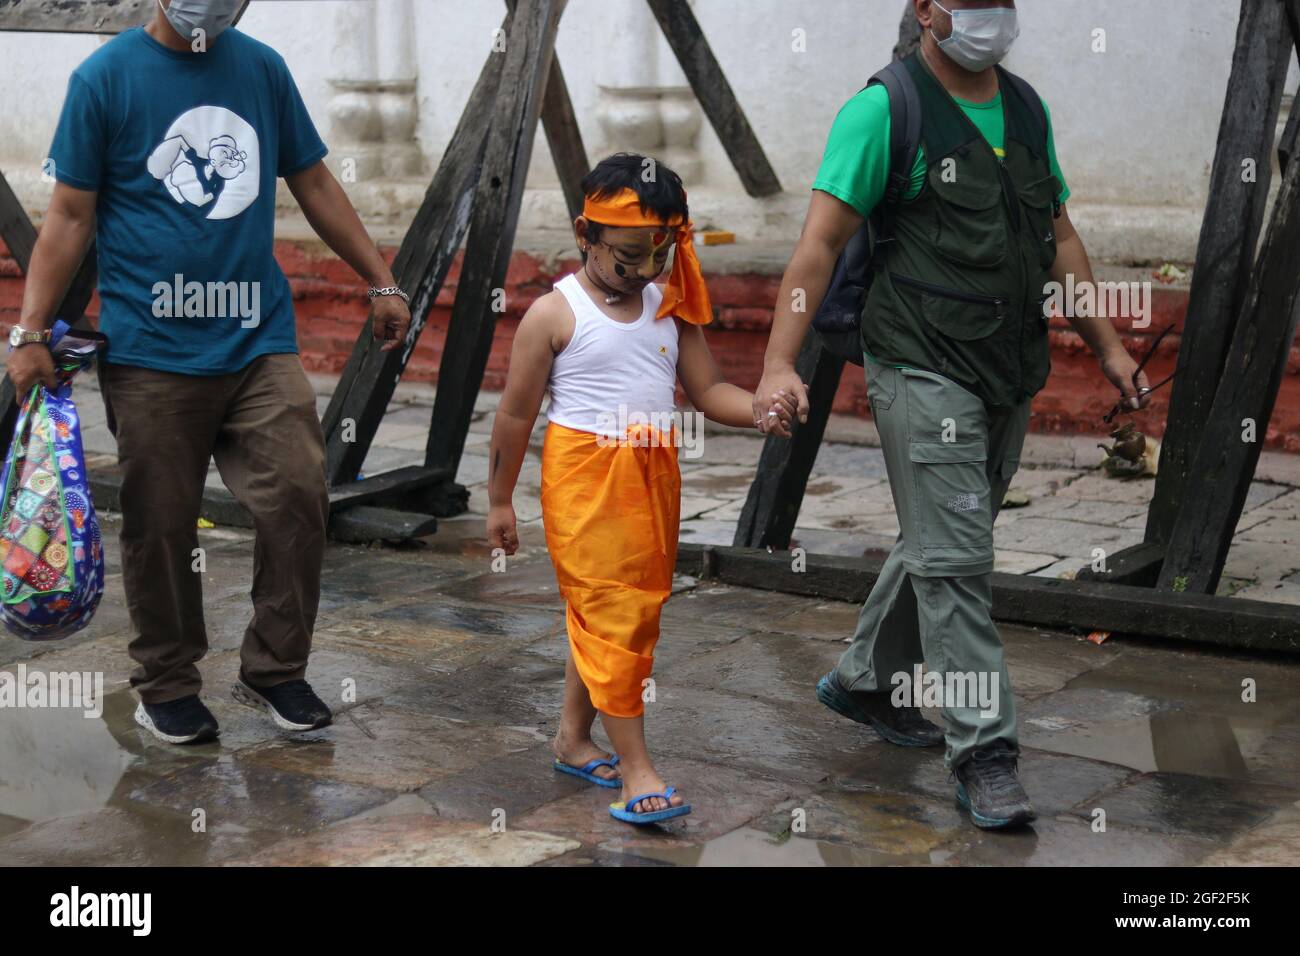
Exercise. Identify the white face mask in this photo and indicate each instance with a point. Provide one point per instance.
(980, 38)
(210, 16)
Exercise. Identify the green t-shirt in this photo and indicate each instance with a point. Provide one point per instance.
(855, 166)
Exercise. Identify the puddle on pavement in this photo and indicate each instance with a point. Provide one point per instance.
(1117, 721)
(70, 764)
(749, 847)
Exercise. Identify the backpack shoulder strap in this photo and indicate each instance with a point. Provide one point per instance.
(1031, 99)
(904, 127)
(904, 144)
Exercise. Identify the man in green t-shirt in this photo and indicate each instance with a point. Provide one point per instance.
(955, 346)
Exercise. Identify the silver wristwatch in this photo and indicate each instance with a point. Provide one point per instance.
(21, 336)
(389, 290)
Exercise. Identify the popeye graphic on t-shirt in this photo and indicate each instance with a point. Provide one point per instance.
(209, 158)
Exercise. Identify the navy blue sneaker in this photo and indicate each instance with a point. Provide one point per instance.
(185, 720)
(989, 788)
(902, 726)
(293, 705)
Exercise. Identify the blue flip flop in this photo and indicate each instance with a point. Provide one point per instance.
(586, 771)
(620, 811)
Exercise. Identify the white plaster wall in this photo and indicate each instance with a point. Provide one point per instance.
(1135, 126)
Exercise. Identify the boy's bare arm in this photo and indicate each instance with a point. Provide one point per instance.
(531, 358)
(66, 232)
(714, 396)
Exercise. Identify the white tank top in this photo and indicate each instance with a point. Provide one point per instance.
(614, 374)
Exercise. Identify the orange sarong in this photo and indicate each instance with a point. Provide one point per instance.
(611, 511)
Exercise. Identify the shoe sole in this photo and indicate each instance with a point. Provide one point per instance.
(250, 698)
(203, 736)
(992, 823)
(838, 701)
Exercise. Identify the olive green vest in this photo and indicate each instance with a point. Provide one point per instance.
(960, 291)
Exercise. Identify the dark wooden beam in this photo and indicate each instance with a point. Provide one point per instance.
(715, 96)
(1290, 141)
(1138, 566)
(776, 493)
(386, 487)
(1078, 606)
(16, 227)
(79, 16)
(1225, 462)
(1225, 253)
(367, 510)
(495, 214)
(563, 136)
(565, 139)
(363, 524)
(1286, 147)
(370, 376)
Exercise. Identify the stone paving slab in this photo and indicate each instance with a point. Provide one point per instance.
(414, 840)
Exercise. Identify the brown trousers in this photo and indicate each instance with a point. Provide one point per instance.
(260, 426)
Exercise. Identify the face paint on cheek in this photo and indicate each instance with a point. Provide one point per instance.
(622, 272)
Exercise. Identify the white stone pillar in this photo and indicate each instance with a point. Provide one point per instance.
(645, 104)
(374, 111)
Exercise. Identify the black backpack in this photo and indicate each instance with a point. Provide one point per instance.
(839, 320)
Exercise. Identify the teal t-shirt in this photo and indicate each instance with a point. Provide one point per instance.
(855, 166)
(184, 150)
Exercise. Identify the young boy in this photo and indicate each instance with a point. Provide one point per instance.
(609, 346)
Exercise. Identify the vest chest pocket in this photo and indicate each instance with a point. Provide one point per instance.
(969, 227)
(1039, 201)
(964, 316)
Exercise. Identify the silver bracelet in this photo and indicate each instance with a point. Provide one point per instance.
(388, 290)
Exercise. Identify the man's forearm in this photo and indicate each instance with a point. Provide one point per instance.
(330, 214)
(802, 290)
(60, 247)
(1095, 329)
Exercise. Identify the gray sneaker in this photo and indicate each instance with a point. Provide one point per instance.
(989, 787)
(902, 726)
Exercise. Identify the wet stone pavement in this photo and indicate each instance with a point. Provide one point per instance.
(446, 680)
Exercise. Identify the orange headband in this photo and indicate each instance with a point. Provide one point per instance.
(685, 295)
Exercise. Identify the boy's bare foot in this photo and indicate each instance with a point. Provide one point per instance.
(577, 753)
(647, 781)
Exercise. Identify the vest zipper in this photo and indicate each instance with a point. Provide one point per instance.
(1010, 194)
(946, 293)
(1012, 197)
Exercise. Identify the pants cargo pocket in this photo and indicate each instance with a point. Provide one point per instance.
(954, 516)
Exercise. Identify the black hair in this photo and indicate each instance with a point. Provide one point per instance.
(658, 187)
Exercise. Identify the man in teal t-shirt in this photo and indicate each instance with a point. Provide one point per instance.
(955, 345)
(167, 153)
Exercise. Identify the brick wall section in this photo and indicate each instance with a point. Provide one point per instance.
(330, 304)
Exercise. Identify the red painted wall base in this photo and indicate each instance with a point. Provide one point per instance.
(330, 303)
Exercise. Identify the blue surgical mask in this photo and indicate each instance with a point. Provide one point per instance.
(210, 16)
(980, 38)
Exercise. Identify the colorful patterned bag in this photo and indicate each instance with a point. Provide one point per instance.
(50, 548)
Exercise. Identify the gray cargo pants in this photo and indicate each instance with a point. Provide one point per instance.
(950, 460)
